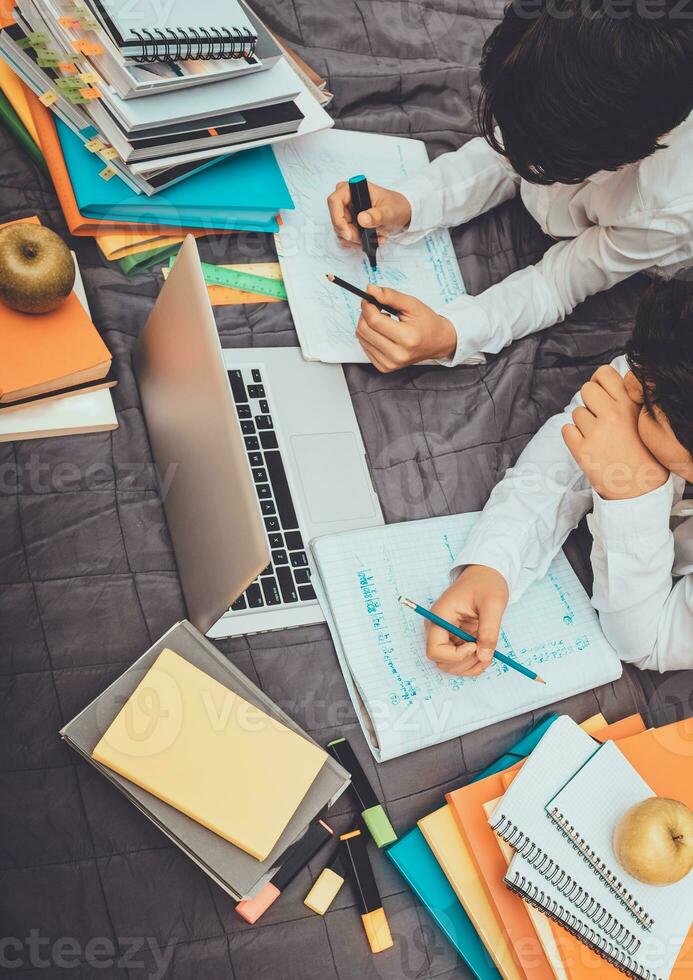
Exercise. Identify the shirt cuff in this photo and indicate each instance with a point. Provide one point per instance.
(473, 328)
(491, 555)
(626, 524)
(426, 208)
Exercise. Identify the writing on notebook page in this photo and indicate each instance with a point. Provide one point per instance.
(409, 701)
(326, 317)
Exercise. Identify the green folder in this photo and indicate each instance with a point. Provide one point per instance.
(14, 125)
(132, 264)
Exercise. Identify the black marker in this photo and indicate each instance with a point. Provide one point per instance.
(361, 201)
(368, 900)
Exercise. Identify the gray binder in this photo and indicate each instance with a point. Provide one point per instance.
(232, 869)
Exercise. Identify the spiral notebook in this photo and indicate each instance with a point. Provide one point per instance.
(587, 810)
(403, 700)
(550, 872)
(176, 30)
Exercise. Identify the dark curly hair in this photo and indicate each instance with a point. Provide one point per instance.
(579, 86)
(660, 354)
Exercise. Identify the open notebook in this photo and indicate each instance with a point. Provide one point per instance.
(404, 702)
(325, 315)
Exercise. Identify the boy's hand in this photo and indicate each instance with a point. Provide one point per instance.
(605, 442)
(476, 603)
(419, 334)
(390, 213)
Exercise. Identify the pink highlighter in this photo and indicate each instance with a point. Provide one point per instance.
(297, 857)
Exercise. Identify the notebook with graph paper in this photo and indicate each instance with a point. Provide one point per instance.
(403, 701)
(559, 815)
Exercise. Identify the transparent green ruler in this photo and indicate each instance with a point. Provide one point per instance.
(247, 282)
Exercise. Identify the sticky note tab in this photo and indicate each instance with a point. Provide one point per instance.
(48, 98)
(107, 173)
(67, 68)
(110, 153)
(70, 23)
(95, 145)
(90, 78)
(90, 93)
(48, 59)
(37, 40)
(87, 48)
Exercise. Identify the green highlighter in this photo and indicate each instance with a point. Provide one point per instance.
(372, 811)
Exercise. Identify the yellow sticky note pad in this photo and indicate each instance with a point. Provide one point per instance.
(48, 98)
(209, 753)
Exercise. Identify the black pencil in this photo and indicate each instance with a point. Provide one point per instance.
(390, 310)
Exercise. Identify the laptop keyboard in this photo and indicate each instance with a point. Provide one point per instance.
(286, 580)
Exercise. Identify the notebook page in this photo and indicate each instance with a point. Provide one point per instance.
(325, 315)
(592, 803)
(520, 819)
(381, 643)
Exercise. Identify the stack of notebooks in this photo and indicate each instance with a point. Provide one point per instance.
(518, 867)
(209, 759)
(153, 101)
(55, 371)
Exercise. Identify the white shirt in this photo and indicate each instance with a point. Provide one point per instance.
(639, 218)
(642, 555)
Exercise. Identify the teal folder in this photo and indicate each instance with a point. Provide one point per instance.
(242, 192)
(416, 862)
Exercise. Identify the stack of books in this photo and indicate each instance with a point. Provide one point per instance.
(143, 124)
(55, 371)
(207, 757)
(518, 867)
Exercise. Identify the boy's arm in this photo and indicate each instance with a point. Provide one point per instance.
(542, 295)
(646, 617)
(532, 510)
(455, 188)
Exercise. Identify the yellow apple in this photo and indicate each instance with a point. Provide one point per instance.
(653, 841)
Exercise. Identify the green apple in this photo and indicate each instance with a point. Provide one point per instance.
(37, 271)
(653, 841)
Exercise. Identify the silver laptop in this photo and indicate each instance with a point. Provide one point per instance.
(257, 452)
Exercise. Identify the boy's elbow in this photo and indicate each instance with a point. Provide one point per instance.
(640, 648)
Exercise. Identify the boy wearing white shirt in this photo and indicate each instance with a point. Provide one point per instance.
(587, 112)
(623, 449)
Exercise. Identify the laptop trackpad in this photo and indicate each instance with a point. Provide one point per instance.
(333, 477)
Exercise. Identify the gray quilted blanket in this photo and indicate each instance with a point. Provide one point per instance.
(88, 888)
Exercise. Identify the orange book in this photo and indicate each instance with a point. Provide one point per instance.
(47, 351)
(77, 224)
(467, 805)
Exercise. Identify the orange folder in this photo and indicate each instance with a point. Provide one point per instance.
(467, 806)
(79, 225)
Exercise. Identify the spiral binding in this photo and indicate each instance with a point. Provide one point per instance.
(622, 960)
(567, 885)
(194, 44)
(595, 862)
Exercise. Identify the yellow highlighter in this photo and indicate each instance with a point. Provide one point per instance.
(369, 902)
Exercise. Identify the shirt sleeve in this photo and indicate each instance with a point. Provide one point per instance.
(544, 294)
(455, 188)
(646, 615)
(533, 509)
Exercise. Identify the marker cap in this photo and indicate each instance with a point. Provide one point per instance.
(377, 931)
(324, 891)
(379, 826)
(251, 909)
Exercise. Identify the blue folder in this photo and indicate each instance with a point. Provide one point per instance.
(242, 192)
(520, 750)
(416, 862)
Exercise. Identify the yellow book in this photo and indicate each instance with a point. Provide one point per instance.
(452, 854)
(193, 743)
